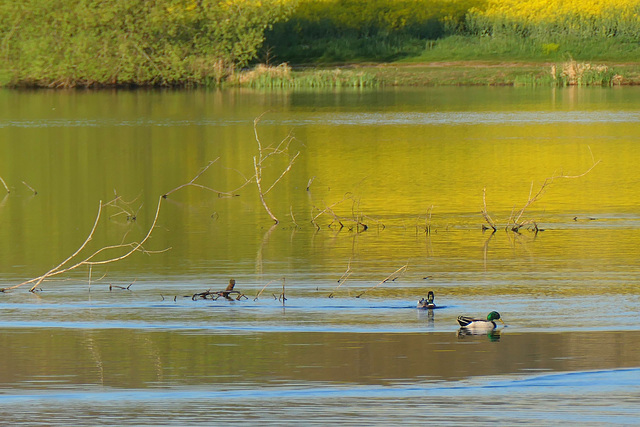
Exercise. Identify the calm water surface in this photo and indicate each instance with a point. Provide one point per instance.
(84, 350)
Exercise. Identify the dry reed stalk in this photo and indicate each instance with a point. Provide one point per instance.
(485, 214)
(265, 287)
(393, 276)
(5, 185)
(293, 218)
(342, 278)
(282, 296)
(30, 188)
(279, 72)
(427, 220)
(310, 182)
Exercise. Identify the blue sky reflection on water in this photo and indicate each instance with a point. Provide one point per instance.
(587, 398)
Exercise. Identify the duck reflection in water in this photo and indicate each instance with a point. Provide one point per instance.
(429, 305)
(426, 315)
(493, 335)
(473, 326)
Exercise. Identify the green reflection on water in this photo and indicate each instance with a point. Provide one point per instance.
(44, 358)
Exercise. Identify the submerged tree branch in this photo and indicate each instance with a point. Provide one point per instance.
(516, 221)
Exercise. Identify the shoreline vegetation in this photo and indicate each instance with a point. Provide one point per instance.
(318, 43)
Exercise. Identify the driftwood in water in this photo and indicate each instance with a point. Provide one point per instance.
(226, 294)
(125, 288)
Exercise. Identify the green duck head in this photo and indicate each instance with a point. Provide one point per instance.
(494, 315)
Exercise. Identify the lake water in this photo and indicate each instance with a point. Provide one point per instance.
(386, 191)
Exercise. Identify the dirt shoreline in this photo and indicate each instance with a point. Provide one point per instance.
(472, 72)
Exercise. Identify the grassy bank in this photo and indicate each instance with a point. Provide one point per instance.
(442, 73)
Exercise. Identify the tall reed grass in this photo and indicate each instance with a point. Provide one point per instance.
(281, 76)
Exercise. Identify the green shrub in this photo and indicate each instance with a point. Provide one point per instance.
(122, 42)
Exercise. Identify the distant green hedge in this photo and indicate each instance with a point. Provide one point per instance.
(70, 43)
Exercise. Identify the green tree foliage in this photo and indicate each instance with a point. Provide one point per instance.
(68, 43)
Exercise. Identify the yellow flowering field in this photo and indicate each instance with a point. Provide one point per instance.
(386, 15)
(579, 17)
(574, 17)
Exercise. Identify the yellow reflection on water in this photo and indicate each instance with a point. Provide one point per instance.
(397, 161)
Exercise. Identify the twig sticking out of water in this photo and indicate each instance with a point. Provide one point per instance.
(293, 218)
(265, 287)
(282, 296)
(485, 214)
(516, 221)
(310, 182)
(392, 277)
(342, 278)
(356, 218)
(125, 288)
(427, 220)
(5, 185)
(29, 187)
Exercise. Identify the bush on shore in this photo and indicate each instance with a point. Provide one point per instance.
(68, 43)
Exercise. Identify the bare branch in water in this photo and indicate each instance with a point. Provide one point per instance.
(5, 185)
(516, 221)
(192, 183)
(342, 279)
(258, 164)
(125, 288)
(30, 188)
(310, 182)
(265, 287)
(357, 218)
(392, 277)
(485, 214)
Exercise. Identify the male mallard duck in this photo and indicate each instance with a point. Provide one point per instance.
(480, 324)
(427, 303)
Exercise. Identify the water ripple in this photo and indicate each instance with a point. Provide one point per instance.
(360, 119)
